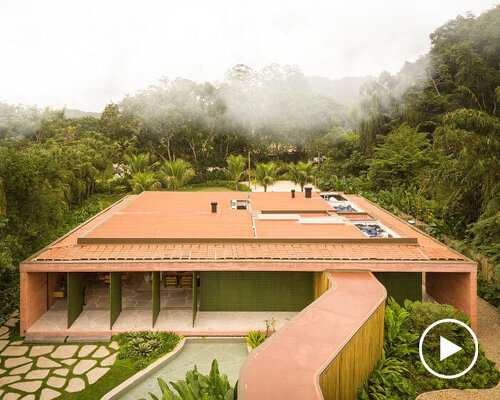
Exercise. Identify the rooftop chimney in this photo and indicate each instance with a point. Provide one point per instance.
(214, 206)
(308, 192)
(293, 193)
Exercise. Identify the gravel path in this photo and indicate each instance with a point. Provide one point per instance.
(488, 335)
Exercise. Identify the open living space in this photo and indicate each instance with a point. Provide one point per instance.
(316, 267)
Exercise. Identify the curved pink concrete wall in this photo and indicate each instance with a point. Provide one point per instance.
(288, 365)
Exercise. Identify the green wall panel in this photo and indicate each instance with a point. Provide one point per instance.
(156, 293)
(115, 296)
(195, 296)
(75, 295)
(401, 285)
(255, 291)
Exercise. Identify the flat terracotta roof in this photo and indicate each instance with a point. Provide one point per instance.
(180, 226)
(295, 229)
(262, 201)
(177, 215)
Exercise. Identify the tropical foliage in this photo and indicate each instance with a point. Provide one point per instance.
(301, 173)
(401, 375)
(144, 347)
(235, 168)
(196, 386)
(255, 338)
(266, 174)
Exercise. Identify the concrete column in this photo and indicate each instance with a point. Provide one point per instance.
(33, 298)
(458, 289)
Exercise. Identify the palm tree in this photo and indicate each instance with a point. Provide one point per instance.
(137, 163)
(142, 181)
(177, 173)
(266, 174)
(301, 173)
(235, 168)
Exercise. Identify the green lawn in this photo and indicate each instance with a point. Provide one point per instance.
(120, 371)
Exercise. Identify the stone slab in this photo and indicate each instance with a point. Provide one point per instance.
(83, 366)
(75, 385)
(3, 343)
(107, 362)
(27, 386)
(12, 322)
(11, 396)
(56, 382)
(40, 350)
(8, 379)
(22, 369)
(95, 374)
(62, 371)
(37, 374)
(14, 351)
(44, 362)
(86, 350)
(16, 361)
(101, 352)
(64, 351)
(49, 394)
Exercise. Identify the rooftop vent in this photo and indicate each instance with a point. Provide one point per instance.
(308, 192)
(293, 193)
(214, 206)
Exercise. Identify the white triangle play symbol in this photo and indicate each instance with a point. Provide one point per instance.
(447, 348)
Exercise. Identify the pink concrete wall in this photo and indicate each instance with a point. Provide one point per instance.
(458, 289)
(33, 288)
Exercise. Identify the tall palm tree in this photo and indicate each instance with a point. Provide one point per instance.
(137, 163)
(266, 174)
(235, 168)
(301, 173)
(142, 181)
(177, 173)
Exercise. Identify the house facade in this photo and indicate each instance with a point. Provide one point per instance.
(222, 263)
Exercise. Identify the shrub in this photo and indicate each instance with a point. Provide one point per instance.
(196, 386)
(144, 347)
(401, 375)
(489, 291)
(255, 338)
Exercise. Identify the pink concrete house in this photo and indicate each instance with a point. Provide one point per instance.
(223, 263)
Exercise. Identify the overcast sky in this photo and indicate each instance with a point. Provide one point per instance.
(84, 53)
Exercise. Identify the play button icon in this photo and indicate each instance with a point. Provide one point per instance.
(447, 348)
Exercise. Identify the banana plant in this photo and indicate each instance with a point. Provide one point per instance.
(196, 386)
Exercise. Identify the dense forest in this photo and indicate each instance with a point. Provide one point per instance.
(425, 141)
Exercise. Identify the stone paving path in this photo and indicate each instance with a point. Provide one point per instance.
(30, 372)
